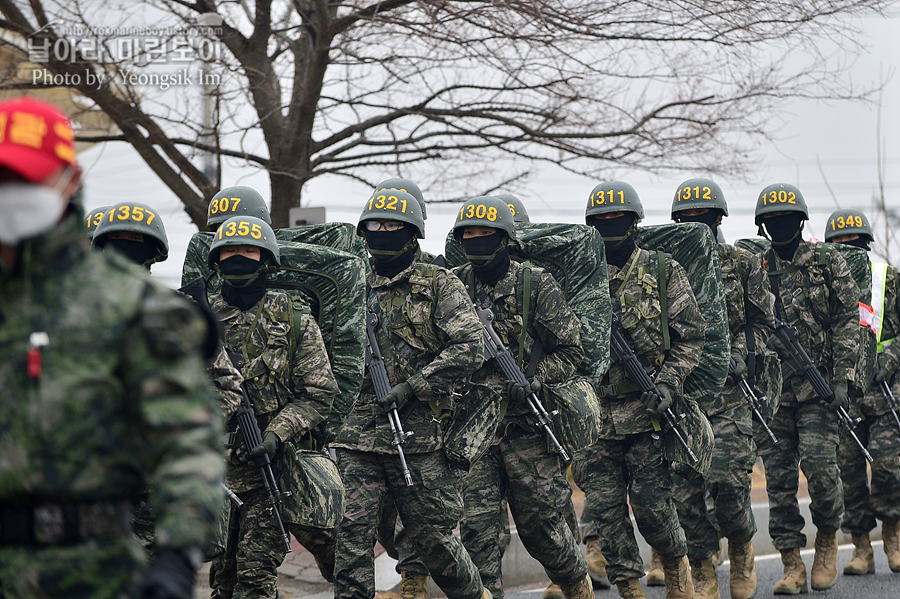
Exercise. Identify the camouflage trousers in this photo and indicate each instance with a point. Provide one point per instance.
(248, 566)
(522, 469)
(319, 542)
(99, 570)
(728, 483)
(430, 511)
(613, 471)
(807, 437)
(862, 503)
(405, 553)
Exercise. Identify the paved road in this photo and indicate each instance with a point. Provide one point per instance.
(882, 585)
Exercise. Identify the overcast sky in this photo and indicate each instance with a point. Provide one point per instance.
(840, 136)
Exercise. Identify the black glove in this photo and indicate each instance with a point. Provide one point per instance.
(885, 370)
(268, 446)
(740, 367)
(657, 404)
(398, 396)
(517, 392)
(779, 347)
(171, 575)
(841, 396)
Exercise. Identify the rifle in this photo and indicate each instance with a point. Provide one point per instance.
(382, 384)
(620, 351)
(232, 496)
(495, 349)
(891, 401)
(752, 400)
(246, 420)
(799, 362)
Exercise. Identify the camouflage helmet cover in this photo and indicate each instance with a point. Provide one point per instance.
(407, 186)
(485, 211)
(614, 196)
(393, 204)
(134, 217)
(848, 221)
(780, 197)
(239, 200)
(520, 214)
(245, 230)
(698, 193)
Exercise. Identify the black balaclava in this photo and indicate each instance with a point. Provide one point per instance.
(489, 255)
(139, 252)
(785, 232)
(712, 218)
(617, 237)
(392, 251)
(245, 281)
(859, 242)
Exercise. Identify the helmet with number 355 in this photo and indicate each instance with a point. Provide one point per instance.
(848, 221)
(239, 200)
(134, 217)
(245, 230)
(393, 204)
(780, 197)
(485, 211)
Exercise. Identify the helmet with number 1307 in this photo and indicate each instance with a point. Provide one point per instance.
(239, 200)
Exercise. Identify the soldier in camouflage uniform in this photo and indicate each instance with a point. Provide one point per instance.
(750, 305)
(290, 384)
(519, 465)
(102, 388)
(628, 462)
(814, 291)
(878, 429)
(430, 338)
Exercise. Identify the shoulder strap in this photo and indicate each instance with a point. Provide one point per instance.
(663, 298)
(527, 277)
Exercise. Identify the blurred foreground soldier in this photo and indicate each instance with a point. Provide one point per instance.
(627, 464)
(102, 389)
(751, 320)
(290, 385)
(519, 466)
(430, 338)
(878, 430)
(94, 218)
(815, 292)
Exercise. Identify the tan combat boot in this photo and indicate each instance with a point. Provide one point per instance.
(579, 590)
(794, 580)
(655, 577)
(630, 589)
(890, 534)
(743, 570)
(596, 565)
(719, 556)
(414, 585)
(863, 560)
(553, 591)
(824, 570)
(706, 585)
(678, 578)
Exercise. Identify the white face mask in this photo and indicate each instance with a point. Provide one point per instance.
(27, 210)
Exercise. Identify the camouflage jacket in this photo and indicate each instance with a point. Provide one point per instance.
(287, 374)
(551, 320)
(636, 300)
(122, 399)
(226, 379)
(748, 298)
(822, 301)
(874, 402)
(430, 337)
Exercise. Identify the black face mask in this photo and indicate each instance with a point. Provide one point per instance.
(614, 231)
(242, 289)
(859, 242)
(392, 251)
(138, 252)
(785, 230)
(711, 218)
(489, 255)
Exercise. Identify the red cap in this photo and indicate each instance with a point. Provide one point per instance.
(35, 138)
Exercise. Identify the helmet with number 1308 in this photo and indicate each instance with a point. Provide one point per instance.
(485, 211)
